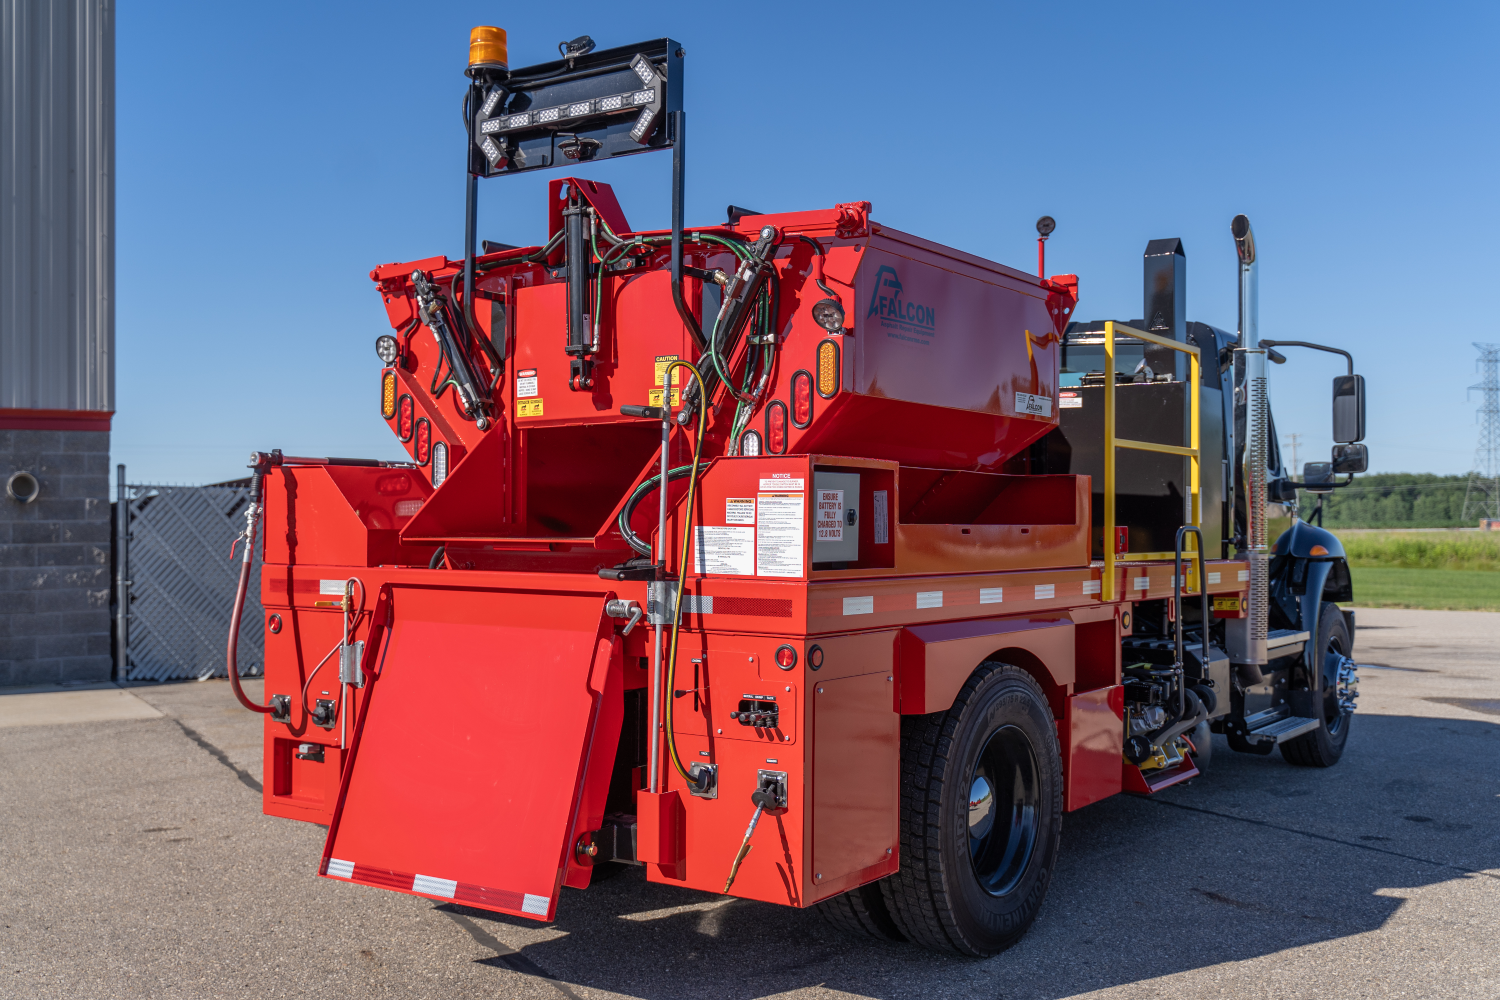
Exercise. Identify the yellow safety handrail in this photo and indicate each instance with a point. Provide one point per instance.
(1193, 452)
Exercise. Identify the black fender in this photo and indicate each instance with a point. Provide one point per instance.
(1308, 568)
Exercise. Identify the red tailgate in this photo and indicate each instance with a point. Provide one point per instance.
(468, 768)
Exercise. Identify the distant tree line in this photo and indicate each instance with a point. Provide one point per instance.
(1395, 500)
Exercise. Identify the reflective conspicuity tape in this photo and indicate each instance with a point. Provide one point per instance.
(535, 904)
(340, 869)
(1091, 586)
(929, 598)
(991, 595)
(1213, 578)
(859, 605)
(1244, 576)
(1141, 583)
(444, 887)
(1045, 591)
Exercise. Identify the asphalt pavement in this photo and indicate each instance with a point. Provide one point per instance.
(135, 862)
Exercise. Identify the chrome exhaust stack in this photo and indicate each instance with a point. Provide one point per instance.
(1247, 636)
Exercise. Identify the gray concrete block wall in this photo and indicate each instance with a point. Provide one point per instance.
(55, 559)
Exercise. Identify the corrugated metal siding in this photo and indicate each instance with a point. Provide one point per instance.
(57, 204)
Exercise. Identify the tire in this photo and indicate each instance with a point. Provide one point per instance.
(861, 913)
(977, 893)
(1325, 745)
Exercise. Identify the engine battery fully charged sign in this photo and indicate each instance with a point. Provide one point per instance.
(829, 526)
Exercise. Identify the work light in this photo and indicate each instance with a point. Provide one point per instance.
(828, 314)
(750, 444)
(387, 349)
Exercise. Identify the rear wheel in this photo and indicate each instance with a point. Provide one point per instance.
(1325, 745)
(862, 913)
(981, 813)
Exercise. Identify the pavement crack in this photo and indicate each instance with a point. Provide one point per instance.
(246, 778)
(506, 955)
(1319, 836)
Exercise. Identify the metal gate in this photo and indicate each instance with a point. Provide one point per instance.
(174, 570)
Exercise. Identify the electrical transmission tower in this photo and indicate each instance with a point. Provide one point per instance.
(1482, 499)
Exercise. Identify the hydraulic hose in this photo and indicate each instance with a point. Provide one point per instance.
(259, 464)
(687, 534)
(641, 491)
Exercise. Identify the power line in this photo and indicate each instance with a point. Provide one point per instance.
(1482, 498)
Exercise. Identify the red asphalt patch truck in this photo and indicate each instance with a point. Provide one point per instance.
(794, 557)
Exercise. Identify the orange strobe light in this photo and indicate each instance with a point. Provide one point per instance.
(487, 48)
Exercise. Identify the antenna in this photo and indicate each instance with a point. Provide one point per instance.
(1482, 499)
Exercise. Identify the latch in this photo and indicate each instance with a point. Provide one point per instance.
(624, 609)
(310, 751)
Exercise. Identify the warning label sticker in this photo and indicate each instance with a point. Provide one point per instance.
(654, 396)
(782, 481)
(1037, 406)
(1069, 401)
(526, 383)
(528, 407)
(678, 374)
(739, 510)
(830, 516)
(779, 531)
(726, 550)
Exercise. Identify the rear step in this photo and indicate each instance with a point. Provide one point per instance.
(1282, 730)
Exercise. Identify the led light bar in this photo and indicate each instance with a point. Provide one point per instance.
(613, 104)
(439, 463)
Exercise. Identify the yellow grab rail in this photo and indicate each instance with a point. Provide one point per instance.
(1193, 452)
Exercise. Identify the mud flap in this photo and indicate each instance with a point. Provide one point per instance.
(485, 749)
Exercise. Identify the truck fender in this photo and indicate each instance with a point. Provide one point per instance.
(934, 661)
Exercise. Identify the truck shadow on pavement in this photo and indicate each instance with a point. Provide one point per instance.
(1255, 858)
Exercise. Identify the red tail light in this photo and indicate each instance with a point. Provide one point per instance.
(776, 428)
(422, 448)
(406, 417)
(802, 392)
(786, 657)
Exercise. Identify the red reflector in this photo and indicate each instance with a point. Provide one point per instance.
(776, 428)
(786, 657)
(802, 392)
(406, 417)
(422, 447)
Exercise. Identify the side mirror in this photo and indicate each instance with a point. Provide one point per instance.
(1349, 458)
(1317, 474)
(1348, 408)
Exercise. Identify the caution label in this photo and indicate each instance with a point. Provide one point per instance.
(830, 516)
(678, 375)
(528, 407)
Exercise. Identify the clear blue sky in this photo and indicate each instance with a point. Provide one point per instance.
(270, 155)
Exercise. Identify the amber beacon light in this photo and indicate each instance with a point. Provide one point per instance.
(487, 48)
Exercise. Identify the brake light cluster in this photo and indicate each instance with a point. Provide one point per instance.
(776, 427)
(802, 391)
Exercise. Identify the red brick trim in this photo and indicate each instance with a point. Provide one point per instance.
(55, 420)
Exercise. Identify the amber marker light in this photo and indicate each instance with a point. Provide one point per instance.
(487, 49)
(1317, 550)
(828, 369)
(388, 395)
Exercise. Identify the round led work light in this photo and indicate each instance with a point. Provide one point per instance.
(387, 349)
(828, 314)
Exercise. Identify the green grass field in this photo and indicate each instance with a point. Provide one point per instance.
(1442, 589)
(1446, 570)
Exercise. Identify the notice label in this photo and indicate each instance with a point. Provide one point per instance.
(528, 407)
(1036, 406)
(779, 531)
(830, 516)
(882, 519)
(726, 550)
(526, 383)
(1069, 401)
(782, 483)
(739, 510)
